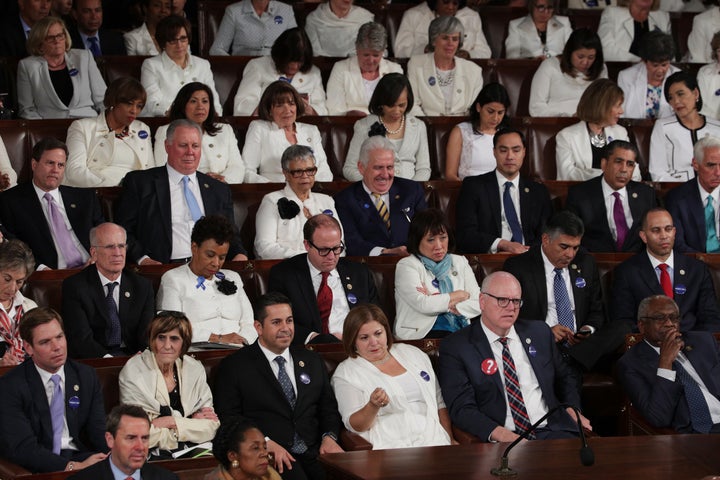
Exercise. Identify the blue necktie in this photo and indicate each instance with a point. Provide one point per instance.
(563, 307)
(712, 245)
(57, 413)
(94, 46)
(114, 332)
(287, 388)
(511, 214)
(191, 201)
(699, 411)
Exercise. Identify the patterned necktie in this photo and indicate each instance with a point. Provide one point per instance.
(520, 417)
(511, 214)
(57, 413)
(563, 307)
(712, 244)
(191, 201)
(382, 209)
(621, 225)
(64, 240)
(94, 46)
(699, 411)
(324, 300)
(665, 281)
(114, 331)
(299, 445)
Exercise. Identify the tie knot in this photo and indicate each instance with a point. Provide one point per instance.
(55, 379)
(558, 271)
(616, 195)
(280, 361)
(508, 185)
(503, 340)
(49, 198)
(185, 180)
(93, 39)
(325, 275)
(111, 286)
(377, 196)
(663, 267)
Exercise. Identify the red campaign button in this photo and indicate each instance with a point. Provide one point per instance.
(489, 366)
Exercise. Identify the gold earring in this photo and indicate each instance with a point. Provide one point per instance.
(234, 464)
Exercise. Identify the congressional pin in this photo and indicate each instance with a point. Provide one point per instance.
(527, 190)
(300, 80)
(682, 272)
(688, 348)
(220, 275)
(278, 19)
(425, 376)
(532, 351)
(206, 185)
(309, 140)
(489, 366)
(328, 212)
(301, 363)
(580, 282)
(351, 298)
(305, 378)
(365, 205)
(717, 92)
(397, 197)
(127, 294)
(102, 144)
(454, 273)
(73, 72)
(634, 195)
(74, 402)
(349, 286)
(680, 289)
(573, 266)
(528, 341)
(143, 134)
(212, 145)
(72, 205)
(431, 81)
(435, 283)
(459, 90)
(76, 387)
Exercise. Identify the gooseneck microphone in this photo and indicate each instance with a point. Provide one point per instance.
(587, 456)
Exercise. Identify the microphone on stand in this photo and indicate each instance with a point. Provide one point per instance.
(587, 456)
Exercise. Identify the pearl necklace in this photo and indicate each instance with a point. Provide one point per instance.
(383, 360)
(393, 132)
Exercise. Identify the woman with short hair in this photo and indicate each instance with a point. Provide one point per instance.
(16, 265)
(539, 34)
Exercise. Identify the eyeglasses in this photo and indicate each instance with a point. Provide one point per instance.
(324, 252)
(112, 246)
(309, 172)
(175, 41)
(544, 8)
(55, 38)
(673, 317)
(505, 301)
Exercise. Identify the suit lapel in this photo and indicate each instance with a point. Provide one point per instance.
(35, 210)
(527, 210)
(492, 193)
(482, 345)
(579, 297)
(345, 279)
(366, 205)
(647, 274)
(304, 280)
(265, 370)
(209, 200)
(97, 292)
(697, 211)
(599, 211)
(40, 400)
(680, 278)
(73, 396)
(162, 189)
(126, 299)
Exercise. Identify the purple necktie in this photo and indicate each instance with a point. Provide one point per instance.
(65, 243)
(57, 413)
(620, 224)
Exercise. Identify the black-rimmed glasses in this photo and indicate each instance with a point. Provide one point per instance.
(309, 172)
(673, 317)
(505, 301)
(324, 252)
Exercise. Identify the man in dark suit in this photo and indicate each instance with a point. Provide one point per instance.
(319, 317)
(479, 386)
(561, 285)
(38, 212)
(502, 211)
(376, 211)
(284, 389)
(96, 327)
(128, 436)
(159, 207)
(696, 222)
(614, 192)
(14, 28)
(50, 404)
(672, 378)
(661, 270)
(88, 33)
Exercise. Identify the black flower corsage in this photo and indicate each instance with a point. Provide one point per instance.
(377, 129)
(287, 208)
(224, 285)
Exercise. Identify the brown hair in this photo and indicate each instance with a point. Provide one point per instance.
(36, 317)
(123, 90)
(273, 95)
(358, 317)
(166, 321)
(597, 100)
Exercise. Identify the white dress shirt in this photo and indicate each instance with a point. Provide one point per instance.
(669, 262)
(610, 205)
(340, 307)
(180, 217)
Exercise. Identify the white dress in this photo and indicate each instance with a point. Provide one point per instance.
(346, 87)
(671, 148)
(708, 78)
(265, 143)
(220, 153)
(617, 30)
(523, 40)
(332, 36)
(209, 310)
(477, 156)
(139, 42)
(704, 27)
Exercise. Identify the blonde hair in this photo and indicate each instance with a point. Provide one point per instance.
(36, 37)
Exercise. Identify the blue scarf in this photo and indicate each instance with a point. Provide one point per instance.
(447, 321)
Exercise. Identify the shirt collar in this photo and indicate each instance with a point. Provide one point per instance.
(45, 375)
(272, 355)
(41, 193)
(502, 181)
(492, 337)
(608, 190)
(120, 475)
(704, 193)
(315, 272)
(655, 262)
(104, 280)
(175, 177)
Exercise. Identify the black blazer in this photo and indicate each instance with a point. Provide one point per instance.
(22, 215)
(26, 436)
(246, 386)
(111, 42)
(688, 213)
(292, 278)
(635, 279)
(478, 212)
(12, 37)
(144, 210)
(86, 317)
(102, 471)
(587, 202)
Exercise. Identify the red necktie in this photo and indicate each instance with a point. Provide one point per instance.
(665, 282)
(324, 300)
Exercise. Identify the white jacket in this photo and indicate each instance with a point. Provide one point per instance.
(617, 30)
(345, 87)
(573, 152)
(523, 40)
(708, 78)
(332, 36)
(6, 166)
(633, 81)
(139, 42)
(704, 27)
(671, 148)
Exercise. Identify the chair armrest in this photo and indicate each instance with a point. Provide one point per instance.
(350, 441)
(9, 470)
(464, 437)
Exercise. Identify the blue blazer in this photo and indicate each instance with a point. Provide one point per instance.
(688, 213)
(364, 229)
(659, 400)
(477, 402)
(26, 436)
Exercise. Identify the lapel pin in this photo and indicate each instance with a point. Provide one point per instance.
(532, 351)
(459, 90)
(573, 266)
(682, 272)
(72, 205)
(349, 286)
(143, 134)
(76, 388)
(211, 145)
(305, 378)
(206, 185)
(74, 402)
(489, 366)
(425, 376)
(301, 363)
(431, 81)
(634, 195)
(527, 190)
(528, 341)
(680, 289)
(127, 294)
(300, 79)
(397, 197)
(580, 282)
(351, 298)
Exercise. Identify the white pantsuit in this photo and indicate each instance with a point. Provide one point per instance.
(523, 40)
(346, 89)
(573, 152)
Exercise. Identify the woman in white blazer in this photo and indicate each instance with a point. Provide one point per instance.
(617, 28)
(103, 149)
(220, 156)
(333, 25)
(290, 60)
(412, 35)
(392, 98)
(643, 82)
(705, 26)
(443, 83)
(141, 41)
(540, 34)
(708, 79)
(580, 147)
(436, 292)
(165, 74)
(353, 80)
(282, 215)
(57, 82)
(8, 175)
(560, 81)
(277, 129)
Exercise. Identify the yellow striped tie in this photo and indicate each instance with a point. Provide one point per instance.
(382, 209)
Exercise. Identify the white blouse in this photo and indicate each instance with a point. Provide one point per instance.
(332, 36)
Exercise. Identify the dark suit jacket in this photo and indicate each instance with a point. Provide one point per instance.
(478, 214)
(22, 214)
(635, 279)
(12, 37)
(688, 213)
(26, 436)
(529, 269)
(587, 202)
(246, 386)
(102, 471)
(477, 402)
(144, 210)
(292, 278)
(364, 229)
(86, 316)
(111, 42)
(659, 400)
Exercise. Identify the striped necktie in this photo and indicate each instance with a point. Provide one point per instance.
(512, 390)
(382, 209)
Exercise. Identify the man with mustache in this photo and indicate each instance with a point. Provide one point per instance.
(671, 378)
(611, 205)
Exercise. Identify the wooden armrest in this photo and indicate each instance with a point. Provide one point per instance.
(12, 470)
(464, 437)
(640, 426)
(350, 441)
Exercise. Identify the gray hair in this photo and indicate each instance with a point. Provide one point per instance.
(442, 26)
(94, 232)
(376, 142)
(16, 254)
(181, 122)
(296, 152)
(657, 46)
(373, 36)
(644, 307)
(703, 144)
